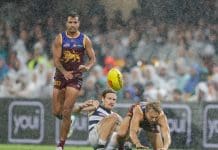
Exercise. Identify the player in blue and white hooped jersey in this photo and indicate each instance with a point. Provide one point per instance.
(103, 121)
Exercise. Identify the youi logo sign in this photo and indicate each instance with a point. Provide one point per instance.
(25, 122)
(179, 119)
(210, 126)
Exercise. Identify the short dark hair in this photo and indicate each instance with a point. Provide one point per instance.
(107, 91)
(155, 106)
(72, 14)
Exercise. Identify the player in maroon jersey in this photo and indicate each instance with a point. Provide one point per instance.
(69, 49)
(148, 116)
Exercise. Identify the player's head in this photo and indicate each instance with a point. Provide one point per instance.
(72, 22)
(109, 98)
(153, 111)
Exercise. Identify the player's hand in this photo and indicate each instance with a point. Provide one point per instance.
(68, 75)
(89, 103)
(85, 104)
(140, 146)
(162, 149)
(83, 68)
(130, 111)
(95, 103)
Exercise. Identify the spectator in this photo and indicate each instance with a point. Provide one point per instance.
(21, 48)
(182, 76)
(109, 63)
(150, 91)
(177, 96)
(193, 80)
(3, 48)
(136, 76)
(201, 93)
(3, 69)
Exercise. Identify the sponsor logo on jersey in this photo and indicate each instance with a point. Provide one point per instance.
(77, 45)
(71, 56)
(66, 45)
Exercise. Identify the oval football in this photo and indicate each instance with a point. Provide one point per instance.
(115, 79)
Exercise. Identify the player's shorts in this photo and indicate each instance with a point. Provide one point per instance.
(61, 82)
(94, 136)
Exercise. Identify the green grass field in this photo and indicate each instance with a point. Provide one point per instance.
(42, 147)
(38, 147)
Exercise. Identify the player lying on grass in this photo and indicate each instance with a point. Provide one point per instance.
(148, 116)
(102, 120)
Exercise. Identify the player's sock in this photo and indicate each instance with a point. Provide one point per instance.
(73, 120)
(60, 117)
(128, 145)
(100, 147)
(61, 144)
(113, 142)
(102, 142)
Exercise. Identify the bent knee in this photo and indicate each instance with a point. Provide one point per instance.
(66, 113)
(122, 134)
(109, 121)
(114, 118)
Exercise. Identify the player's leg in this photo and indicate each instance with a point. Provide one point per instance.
(71, 95)
(155, 139)
(106, 127)
(94, 137)
(57, 102)
(124, 128)
(118, 138)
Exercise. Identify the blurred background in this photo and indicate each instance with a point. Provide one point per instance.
(166, 50)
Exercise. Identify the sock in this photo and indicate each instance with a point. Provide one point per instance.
(60, 117)
(113, 142)
(101, 142)
(100, 147)
(61, 143)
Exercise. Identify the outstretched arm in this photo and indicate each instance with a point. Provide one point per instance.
(165, 132)
(87, 106)
(134, 126)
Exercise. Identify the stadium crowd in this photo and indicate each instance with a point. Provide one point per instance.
(171, 62)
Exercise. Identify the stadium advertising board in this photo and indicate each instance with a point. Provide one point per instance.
(179, 119)
(25, 122)
(31, 121)
(210, 126)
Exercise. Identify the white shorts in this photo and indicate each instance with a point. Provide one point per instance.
(94, 136)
